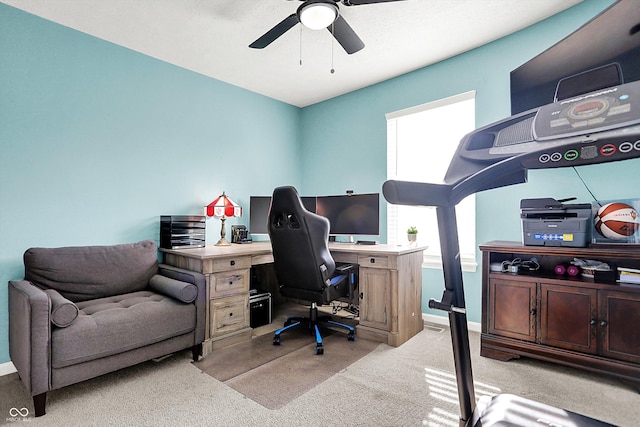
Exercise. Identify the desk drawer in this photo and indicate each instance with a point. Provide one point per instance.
(228, 314)
(229, 282)
(231, 263)
(374, 261)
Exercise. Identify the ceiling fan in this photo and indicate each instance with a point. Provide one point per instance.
(316, 15)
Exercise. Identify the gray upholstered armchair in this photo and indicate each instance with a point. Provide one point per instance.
(81, 312)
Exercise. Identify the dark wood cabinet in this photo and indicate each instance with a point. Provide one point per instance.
(567, 316)
(575, 321)
(620, 325)
(513, 304)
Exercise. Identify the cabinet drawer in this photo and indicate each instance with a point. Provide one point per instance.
(229, 282)
(374, 261)
(231, 263)
(228, 314)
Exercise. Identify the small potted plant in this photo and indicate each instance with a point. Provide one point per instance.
(412, 234)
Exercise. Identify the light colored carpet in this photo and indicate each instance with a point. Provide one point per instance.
(274, 375)
(411, 385)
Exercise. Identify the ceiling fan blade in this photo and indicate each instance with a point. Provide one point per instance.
(359, 2)
(345, 35)
(285, 25)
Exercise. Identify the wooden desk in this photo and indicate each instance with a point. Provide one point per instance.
(390, 288)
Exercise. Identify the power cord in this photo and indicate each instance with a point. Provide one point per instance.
(518, 264)
(349, 308)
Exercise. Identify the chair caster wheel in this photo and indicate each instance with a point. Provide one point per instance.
(277, 340)
(319, 349)
(351, 336)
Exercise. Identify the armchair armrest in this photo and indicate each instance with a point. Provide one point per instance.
(63, 311)
(30, 334)
(182, 291)
(197, 279)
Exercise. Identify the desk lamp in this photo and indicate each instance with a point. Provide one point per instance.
(222, 207)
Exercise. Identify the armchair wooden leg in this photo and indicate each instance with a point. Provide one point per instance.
(196, 351)
(39, 403)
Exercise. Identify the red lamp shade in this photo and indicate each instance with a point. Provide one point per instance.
(223, 207)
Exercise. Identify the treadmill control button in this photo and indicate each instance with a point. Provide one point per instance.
(571, 155)
(608, 150)
(556, 157)
(625, 147)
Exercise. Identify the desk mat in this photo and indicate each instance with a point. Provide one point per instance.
(275, 375)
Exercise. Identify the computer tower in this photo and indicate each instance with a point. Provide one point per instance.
(259, 308)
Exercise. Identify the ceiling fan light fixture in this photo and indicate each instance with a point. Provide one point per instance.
(317, 15)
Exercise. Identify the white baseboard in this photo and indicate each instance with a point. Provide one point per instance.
(441, 320)
(7, 368)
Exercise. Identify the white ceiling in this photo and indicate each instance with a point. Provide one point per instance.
(211, 37)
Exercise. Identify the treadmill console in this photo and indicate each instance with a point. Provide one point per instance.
(598, 111)
(597, 127)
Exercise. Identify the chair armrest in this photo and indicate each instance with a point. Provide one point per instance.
(30, 334)
(197, 279)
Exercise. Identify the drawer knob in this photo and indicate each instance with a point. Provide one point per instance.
(372, 260)
(232, 262)
(230, 314)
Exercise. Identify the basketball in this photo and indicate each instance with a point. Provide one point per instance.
(617, 221)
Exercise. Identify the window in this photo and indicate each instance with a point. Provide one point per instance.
(420, 144)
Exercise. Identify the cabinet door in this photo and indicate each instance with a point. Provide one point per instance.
(568, 317)
(619, 320)
(375, 292)
(512, 309)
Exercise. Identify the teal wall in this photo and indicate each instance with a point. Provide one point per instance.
(90, 135)
(97, 141)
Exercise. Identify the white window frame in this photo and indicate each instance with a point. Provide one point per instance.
(433, 258)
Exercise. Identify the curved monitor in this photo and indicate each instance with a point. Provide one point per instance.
(602, 53)
(357, 214)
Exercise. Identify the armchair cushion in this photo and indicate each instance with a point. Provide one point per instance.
(112, 325)
(182, 291)
(63, 311)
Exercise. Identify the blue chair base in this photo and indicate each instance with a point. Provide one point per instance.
(313, 322)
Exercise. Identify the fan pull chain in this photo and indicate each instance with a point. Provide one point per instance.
(300, 44)
(333, 41)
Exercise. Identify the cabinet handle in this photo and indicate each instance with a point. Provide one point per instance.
(603, 323)
(533, 312)
(593, 322)
(361, 295)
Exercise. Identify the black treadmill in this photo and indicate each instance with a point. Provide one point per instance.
(597, 127)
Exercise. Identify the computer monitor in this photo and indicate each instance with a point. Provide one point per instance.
(259, 212)
(603, 52)
(350, 215)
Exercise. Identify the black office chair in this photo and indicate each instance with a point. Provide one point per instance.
(304, 267)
